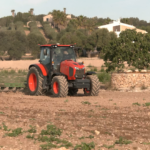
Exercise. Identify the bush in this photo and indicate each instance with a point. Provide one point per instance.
(33, 41)
(34, 29)
(130, 47)
(104, 77)
(19, 27)
(49, 32)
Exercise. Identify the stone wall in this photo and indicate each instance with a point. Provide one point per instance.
(130, 80)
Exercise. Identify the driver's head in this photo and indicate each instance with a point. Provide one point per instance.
(65, 53)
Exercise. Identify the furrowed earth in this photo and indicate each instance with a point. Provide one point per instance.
(102, 120)
(112, 120)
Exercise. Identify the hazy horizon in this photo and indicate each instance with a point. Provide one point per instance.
(102, 9)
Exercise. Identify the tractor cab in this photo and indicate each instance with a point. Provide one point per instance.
(59, 72)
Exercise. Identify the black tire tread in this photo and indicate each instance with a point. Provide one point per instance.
(40, 89)
(95, 85)
(63, 86)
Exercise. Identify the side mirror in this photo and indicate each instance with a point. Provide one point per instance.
(45, 51)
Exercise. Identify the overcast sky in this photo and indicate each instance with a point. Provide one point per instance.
(113, 9)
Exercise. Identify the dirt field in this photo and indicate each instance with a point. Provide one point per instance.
(102, 119)
(24, 64)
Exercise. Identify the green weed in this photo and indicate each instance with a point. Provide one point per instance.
(15, 132)
(86, 103)
(85, 146)
(123, 141)
(108, 146)
(2, 113)
(30, 136)
(32, 129)
(104, 77)
(66, 101)
(5, 127)
(146, 104)
(136, 104)
(51, 130)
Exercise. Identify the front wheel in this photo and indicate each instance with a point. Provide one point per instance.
(59, 86)
(34, 82)
(95, 86)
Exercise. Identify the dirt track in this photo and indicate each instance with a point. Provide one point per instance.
(111, 113)
(24, 64)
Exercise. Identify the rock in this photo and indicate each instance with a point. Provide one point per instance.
(143, 70)
(129, 71)
(97, 132)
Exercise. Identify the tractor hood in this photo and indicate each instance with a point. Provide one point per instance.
(72, 64)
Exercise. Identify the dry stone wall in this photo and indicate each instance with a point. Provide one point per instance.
(130, 80)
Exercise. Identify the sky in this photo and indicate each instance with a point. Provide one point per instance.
(113, 9)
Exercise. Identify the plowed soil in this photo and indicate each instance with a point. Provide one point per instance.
(102, 119)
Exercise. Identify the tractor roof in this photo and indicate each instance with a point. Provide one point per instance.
(56, 45)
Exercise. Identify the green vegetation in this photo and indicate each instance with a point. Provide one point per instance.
(104, 77)
(123, 141)
(86, 103)
(136, 104)
(85, 146)
(12, 78)
(146, 104)
(131, 47)
(15, 132)
(50, 33)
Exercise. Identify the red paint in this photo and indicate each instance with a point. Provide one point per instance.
(44, 71)
(86, 91)
(64, 68)
(56, 45)
(55, 87)
(32, 82)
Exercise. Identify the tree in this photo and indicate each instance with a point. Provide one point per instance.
(33, 41)
(100, 38)
(59, 18)
(131, 47)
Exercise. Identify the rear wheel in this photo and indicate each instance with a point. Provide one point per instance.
(59, 86)
(72, 92)
(34, 82)
(95, 86)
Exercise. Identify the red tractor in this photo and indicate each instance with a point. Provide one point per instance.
(59, 72)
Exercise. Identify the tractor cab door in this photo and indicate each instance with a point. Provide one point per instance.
(45, 57)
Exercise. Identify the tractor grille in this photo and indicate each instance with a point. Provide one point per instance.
(79, 73)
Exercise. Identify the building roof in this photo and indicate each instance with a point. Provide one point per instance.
(116, 23)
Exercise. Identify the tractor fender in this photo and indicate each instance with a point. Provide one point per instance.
(42, 70)
(90, 73)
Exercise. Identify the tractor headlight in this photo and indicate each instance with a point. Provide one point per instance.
(76, 68)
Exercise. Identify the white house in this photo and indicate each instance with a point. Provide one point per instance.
(118, 27)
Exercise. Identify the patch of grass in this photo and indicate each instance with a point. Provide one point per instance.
(15, 132)
(32, 119)
(90, 137)
(51, 130)
(66, 101)
(2, 113)
(136, 104)
(32, 129)
(89, 66)
(146, 143)
(97, 105)
(104, 77)
(146, 104)
(30, 136)
(81, 138)
(85, 146)
(110, 99)
(47, 146)
(86, 103)
(123, 141)
(108, 146)
(5, 127)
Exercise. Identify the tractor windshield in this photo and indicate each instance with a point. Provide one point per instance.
(63, 53)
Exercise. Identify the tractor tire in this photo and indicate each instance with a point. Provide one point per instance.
(72, 92)
(95, 86)
(59, 86)
(34, 82)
